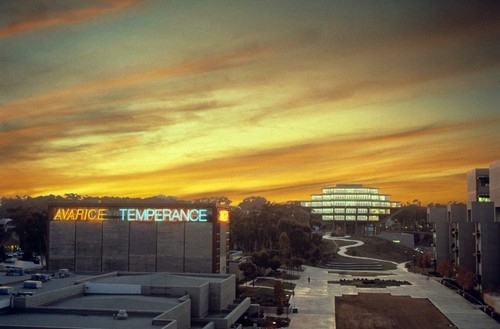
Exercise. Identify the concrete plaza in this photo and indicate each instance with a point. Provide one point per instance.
(315, 300)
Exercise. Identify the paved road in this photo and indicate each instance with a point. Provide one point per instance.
(315, 300)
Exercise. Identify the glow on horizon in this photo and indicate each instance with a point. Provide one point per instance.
(194, 99)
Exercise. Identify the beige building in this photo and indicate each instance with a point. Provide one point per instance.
(138, 237)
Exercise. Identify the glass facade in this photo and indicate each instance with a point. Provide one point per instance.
(351, 203)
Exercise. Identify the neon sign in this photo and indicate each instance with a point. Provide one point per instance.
(79, 214)
(164, 215)
(132, 214)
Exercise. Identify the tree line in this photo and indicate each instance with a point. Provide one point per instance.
(280, 231)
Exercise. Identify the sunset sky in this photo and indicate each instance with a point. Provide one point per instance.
(247, 98)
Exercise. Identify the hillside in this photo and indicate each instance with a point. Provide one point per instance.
(382, 249)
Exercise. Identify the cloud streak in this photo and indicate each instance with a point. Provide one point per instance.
(42, 16)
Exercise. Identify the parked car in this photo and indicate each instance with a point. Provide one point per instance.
(6, 290)
(41, 277)
(14, 271)
(32, 284)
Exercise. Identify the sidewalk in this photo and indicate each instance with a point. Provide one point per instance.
(315, 300)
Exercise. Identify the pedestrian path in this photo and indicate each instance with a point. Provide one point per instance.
(315, 300)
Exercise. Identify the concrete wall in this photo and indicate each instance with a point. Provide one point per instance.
(180, 313)
(62, 245)
(437, 214)
(115, 246)
(85, 246)
(231, 317)
(44, 298)
(495, 183)
(88, 245)
(441, 242)
(142, 256)
(224, 248)
(457, 213)
(489, 247)
(113, 289)
(199, 295)
(222, 293)
(170, 250)
(438, 217)
(198, 248)
(466, 244)
(482, 212)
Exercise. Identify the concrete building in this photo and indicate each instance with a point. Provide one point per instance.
(473, 230)
(128, 300)
(495, 187)
(438, 217)
(351, 208)
(138, 237)
(478, 181)
(461, 238)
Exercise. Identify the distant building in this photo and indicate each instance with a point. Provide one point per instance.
(438, 218)
(478, 182)
(138, 237)
(468, 235)
(351, 208)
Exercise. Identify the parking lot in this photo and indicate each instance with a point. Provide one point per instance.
(29, 268)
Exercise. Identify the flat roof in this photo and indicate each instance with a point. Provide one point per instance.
(162, 279)
(82, 320)
(118, 302)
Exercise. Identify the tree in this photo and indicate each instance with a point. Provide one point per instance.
(249, 270)
(445, 268)
(284, 245)
(300, 242)
(279, 296)
(465, 278)
(252, 203)
(261, 260)
(425, 261)
(275, 263)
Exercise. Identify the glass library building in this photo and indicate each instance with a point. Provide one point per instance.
(352, 209)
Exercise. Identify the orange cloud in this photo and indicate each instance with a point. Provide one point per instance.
(62, 17)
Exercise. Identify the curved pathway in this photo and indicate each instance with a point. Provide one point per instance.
(342, 250)
(315, 299)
